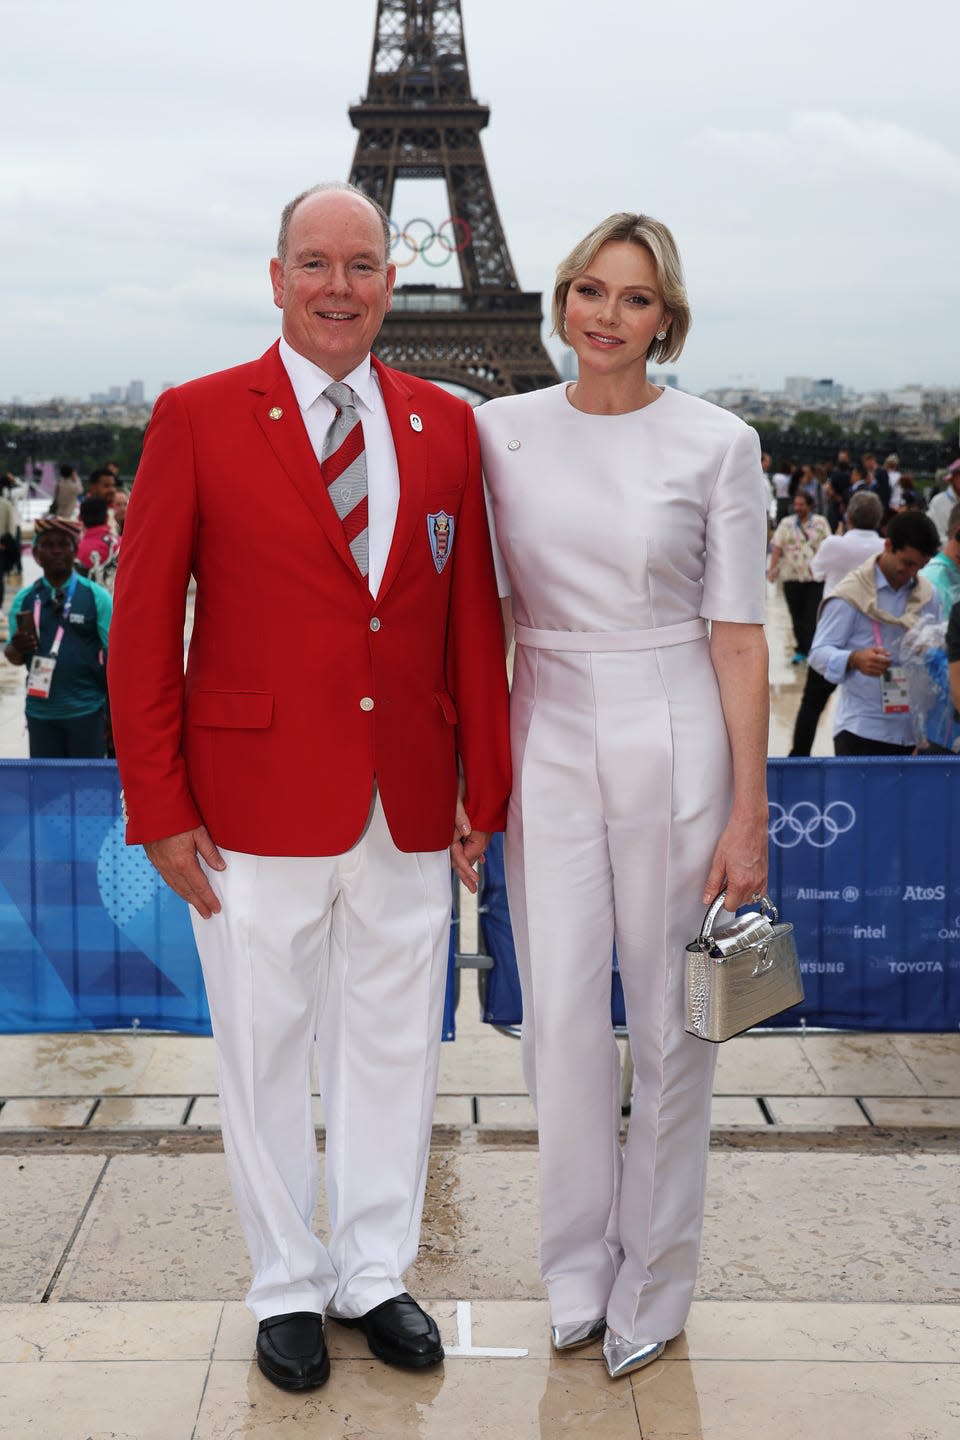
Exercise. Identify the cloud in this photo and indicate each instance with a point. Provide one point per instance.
(828, 142)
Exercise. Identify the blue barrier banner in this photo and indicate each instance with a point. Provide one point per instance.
(450, 995)
(90, 936)
(502, 1004)
(864, 863)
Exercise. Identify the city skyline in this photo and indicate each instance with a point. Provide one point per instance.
(808, 165)
(803, 388)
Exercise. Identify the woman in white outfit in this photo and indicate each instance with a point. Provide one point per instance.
(626, 517)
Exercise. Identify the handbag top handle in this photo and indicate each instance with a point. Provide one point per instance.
(706, 929)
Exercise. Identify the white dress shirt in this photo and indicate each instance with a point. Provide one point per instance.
(940, 507)
(383, 476)
(841, 554)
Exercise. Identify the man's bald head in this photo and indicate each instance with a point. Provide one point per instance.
(326, 185)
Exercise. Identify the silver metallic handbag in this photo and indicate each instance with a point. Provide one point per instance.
(741, 976)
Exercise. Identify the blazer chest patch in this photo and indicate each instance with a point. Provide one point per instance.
(440, 528)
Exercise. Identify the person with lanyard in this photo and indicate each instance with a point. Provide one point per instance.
(836, 557)
(858, 637)
(59, 628)
(796, 540)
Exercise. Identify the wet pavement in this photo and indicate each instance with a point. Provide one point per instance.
(826, 1301)
(825, 1306)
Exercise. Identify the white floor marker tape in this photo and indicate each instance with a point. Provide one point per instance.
(465, 1345)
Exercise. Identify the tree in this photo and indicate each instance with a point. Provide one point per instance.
(84, 445)
(816, 423)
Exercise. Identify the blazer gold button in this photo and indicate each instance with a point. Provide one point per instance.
(366, 703)
(416, 423)
(374, 623)
(276, 413)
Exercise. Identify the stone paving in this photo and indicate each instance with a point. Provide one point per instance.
(825, 1308)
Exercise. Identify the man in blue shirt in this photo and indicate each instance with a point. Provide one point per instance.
(58, 629)
(858, 637)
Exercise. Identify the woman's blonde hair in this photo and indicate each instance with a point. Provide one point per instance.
(655, 238)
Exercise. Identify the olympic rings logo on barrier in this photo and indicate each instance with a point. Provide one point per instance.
(451, 238)
(804, 821)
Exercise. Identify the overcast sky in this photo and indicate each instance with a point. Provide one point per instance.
(806, 155)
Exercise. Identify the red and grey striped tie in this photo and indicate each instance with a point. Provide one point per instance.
(343, 465)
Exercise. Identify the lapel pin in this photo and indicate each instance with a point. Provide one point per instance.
(276, 413)
(416, 423)
(513, 444)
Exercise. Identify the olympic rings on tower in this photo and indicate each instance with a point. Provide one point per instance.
(453, 242)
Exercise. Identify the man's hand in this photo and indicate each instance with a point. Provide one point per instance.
(873, 660)
(175, 857)
(22, 643)
(466, 848)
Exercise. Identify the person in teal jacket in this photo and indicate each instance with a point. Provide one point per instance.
(943, 571)
(58, 629)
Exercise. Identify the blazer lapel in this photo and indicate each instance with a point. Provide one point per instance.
(278, 415)
(410, 442)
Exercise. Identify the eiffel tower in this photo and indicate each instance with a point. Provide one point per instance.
(419, 120)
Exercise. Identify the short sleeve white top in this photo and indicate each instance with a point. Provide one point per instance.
(625, 522)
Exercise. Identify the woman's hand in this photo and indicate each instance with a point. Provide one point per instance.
(739, 863)
(467, 847)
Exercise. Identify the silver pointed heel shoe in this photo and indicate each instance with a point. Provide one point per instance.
(571, 1337)
(625, 1356)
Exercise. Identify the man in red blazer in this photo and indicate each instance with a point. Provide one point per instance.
(298, 785)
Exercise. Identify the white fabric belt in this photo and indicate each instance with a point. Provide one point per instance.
(592, 640)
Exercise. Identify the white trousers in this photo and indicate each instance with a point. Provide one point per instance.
(621, 788)
(348, 951)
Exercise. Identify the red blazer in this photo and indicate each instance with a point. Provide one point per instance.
(271, 739)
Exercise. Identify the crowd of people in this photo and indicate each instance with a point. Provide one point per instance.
(863, 561)
(830, 487)
(825, 523)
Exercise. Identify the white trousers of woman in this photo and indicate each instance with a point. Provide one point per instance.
(348, 951)
(622, 785)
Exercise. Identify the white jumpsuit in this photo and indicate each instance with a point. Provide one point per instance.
(620, 536)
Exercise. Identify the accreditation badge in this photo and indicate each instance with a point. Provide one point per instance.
(894, 691)
(440, 534)
(40, 677)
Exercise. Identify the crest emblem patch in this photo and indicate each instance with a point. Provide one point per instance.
(440, 533)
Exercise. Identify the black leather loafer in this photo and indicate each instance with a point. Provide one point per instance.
(292, 1352)
(399, 1332)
